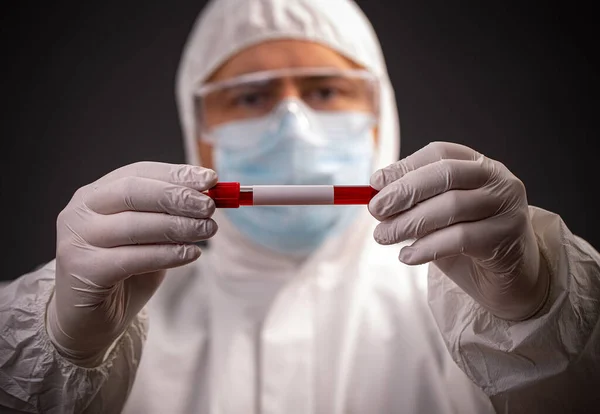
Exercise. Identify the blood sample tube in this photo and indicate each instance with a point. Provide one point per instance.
(234, 195)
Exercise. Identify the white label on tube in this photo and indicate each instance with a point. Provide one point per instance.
(289, 195)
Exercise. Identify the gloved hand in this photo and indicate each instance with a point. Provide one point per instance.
(468, 215)
(115, 239)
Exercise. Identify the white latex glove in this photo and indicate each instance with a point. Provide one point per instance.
(468, 215)
(115, 239)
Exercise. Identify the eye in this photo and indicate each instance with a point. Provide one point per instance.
(250, 99)
(323, 93)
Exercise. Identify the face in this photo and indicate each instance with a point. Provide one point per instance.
(272, 55)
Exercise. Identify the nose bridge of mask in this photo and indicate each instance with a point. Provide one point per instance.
(292, 119)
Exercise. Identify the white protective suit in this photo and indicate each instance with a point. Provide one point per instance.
(349, 330)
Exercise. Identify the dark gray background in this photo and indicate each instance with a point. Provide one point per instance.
(88, 87)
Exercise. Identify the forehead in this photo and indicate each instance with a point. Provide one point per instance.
(281, 54)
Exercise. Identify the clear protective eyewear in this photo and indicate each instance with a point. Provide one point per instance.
(256, 95)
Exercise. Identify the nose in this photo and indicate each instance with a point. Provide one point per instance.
(289, 89)
(291, 118)
(293, 122)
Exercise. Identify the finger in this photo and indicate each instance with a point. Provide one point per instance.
(122, 262)
(439, 212)
(133, 193)
(426, 182)
(131, 228)
(431, 153)
(475, 239)
(191, 176)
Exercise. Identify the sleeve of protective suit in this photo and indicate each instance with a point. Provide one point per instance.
(549, 363)
(35, 378)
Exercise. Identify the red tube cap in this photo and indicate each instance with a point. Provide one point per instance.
(225, 195)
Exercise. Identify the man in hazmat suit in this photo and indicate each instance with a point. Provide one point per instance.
(447, 294)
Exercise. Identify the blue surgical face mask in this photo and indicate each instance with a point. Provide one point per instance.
(295, 145)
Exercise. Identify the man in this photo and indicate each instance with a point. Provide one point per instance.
(303, 309)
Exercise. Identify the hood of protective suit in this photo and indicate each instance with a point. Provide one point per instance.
(226, 27)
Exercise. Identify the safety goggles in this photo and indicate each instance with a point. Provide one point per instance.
(256, 95)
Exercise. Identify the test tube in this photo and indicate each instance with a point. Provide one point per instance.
(234, 195)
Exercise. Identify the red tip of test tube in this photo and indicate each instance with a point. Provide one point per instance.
(351, 194)
(225, 195)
